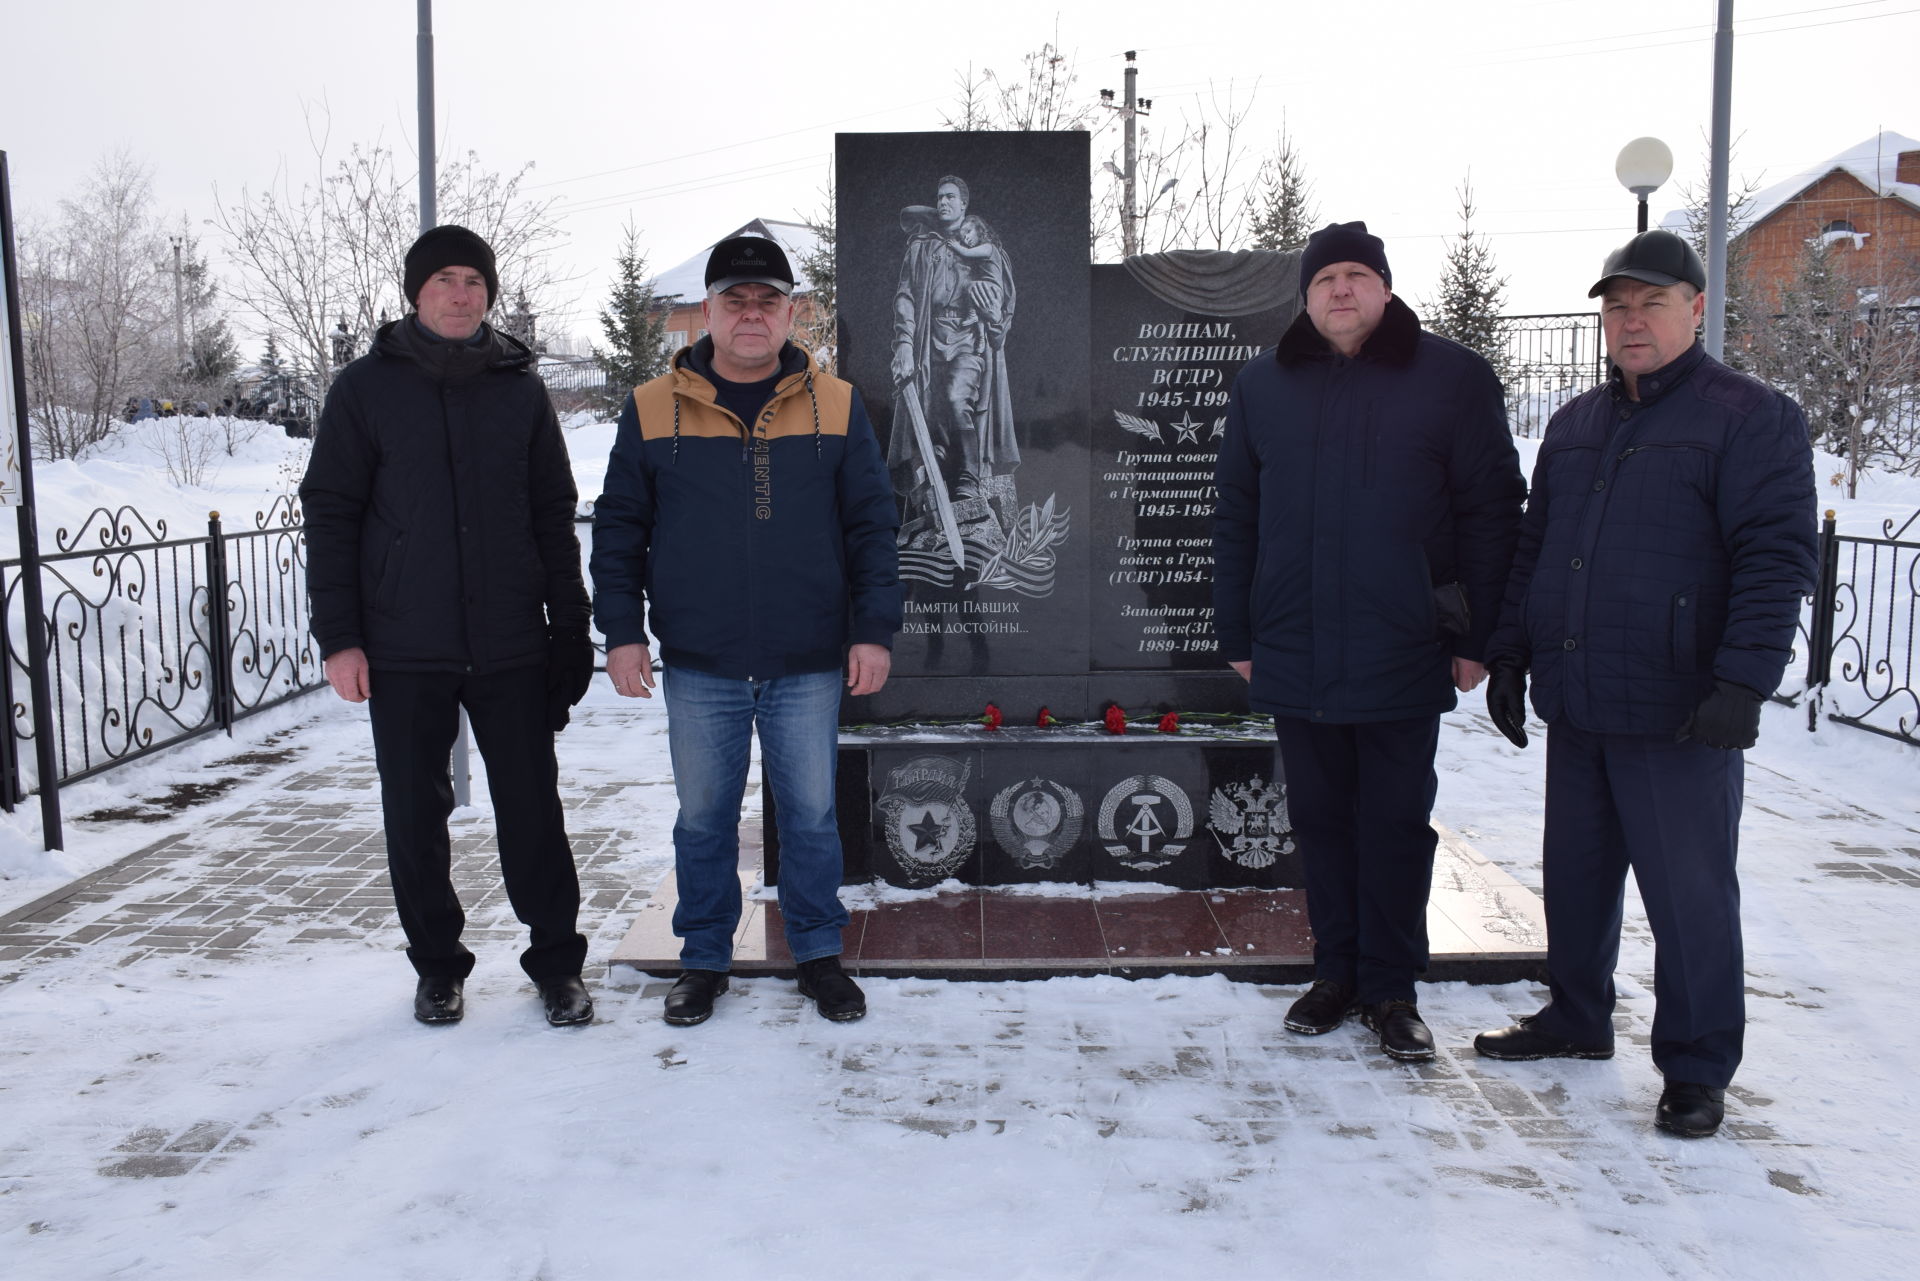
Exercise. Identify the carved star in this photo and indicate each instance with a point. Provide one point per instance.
(1189, 430)
(927, 832)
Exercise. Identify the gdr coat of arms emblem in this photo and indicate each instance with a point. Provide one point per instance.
(1145, 821)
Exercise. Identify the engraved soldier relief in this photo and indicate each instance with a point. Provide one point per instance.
(953, 450)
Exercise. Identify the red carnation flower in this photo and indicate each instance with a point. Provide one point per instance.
(1045, 719)
(1170, 723)
(1116, 720)
(992, 718)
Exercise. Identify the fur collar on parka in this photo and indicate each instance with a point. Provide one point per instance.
(1394, 340)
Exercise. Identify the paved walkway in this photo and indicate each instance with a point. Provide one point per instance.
(296, 863)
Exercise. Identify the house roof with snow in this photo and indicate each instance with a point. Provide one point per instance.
(688, 280)
(1874, 163)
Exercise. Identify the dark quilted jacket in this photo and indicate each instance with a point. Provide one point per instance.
(1668, 542)
(1349, 490)
(439, 505)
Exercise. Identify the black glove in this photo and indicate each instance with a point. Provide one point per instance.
(1507, 701)
(1728, 718)
(569, 671)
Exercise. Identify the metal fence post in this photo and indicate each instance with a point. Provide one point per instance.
(219, 639)
(1826, 600)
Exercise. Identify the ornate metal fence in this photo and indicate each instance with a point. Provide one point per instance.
(151, 640)
(1858, 633)
(1550, 359)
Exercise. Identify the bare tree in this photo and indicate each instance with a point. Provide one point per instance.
(101, 308)
(332, 249)
(1846, 346)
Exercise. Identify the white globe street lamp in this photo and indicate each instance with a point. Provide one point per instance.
(1642, 166)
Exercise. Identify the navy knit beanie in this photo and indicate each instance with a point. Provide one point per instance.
(448, 246)
(1343, 242)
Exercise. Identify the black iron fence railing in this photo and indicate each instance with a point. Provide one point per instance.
(149, 641)
(1550, 360)
(1858, 632)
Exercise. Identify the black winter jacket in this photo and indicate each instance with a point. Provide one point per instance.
(761, 552)
(439, 506)
(1354, 494)
(1668, 541)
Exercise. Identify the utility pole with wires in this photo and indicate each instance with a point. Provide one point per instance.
(1130, 107)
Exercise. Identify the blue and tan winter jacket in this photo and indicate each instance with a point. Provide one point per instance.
(1668, 542)
(1361, 501)
(749, 552)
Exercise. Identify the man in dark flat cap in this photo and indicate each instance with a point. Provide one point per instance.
(1667, 545)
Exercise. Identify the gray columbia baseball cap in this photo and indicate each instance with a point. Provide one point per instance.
(748, 260)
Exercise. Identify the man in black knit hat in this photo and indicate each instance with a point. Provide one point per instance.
(1369, 495)
(444, 573)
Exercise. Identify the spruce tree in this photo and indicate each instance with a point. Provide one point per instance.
(1283, 212)
(1472, 294)
(636, 327)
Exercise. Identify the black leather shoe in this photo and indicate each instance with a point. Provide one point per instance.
(1523, 1041)
(1689, 1110)
(1402, 1033)
(1324, 1007)
(438, 1000)
(836, 996)
(566, 1000)
(691, 1000)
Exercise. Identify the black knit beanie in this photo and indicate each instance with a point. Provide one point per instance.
(448, 246)
(1343, 242)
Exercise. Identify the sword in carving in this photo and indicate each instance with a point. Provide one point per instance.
(942, 504)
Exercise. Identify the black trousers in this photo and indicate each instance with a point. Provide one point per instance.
(1361, 801)
(1671, 812)
(415, 719)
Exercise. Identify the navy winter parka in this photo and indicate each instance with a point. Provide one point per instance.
(1668, 542)
(761, 552)
(1354, 495)
(439, 507)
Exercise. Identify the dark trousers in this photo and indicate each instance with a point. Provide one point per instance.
(1671, 812)
(1361, 801)
(415, 718)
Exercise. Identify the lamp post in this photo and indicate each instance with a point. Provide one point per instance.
(1642, 166)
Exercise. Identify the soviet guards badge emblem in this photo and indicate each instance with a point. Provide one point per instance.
(1145, 822)
(1250, 822)
(1036, 822)
(924, 811)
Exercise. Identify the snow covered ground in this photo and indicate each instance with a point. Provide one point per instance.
(272, 1111)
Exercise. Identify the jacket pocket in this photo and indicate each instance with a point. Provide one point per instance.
(1450, 609)
(386, 594)
(1686, 630)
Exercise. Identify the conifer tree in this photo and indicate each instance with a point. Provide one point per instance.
(1472, 294)
(1283, 214)
(635, 326)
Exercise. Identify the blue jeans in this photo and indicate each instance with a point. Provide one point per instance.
(710, 721)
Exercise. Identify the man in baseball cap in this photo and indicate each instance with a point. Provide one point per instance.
(1667, 545)
(748, 260)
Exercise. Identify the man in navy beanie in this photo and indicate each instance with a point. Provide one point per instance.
(1369, 496)
(444, 573)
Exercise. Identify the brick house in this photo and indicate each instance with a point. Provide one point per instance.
(1864, 203)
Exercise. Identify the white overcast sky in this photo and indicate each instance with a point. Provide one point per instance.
(692, 118)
